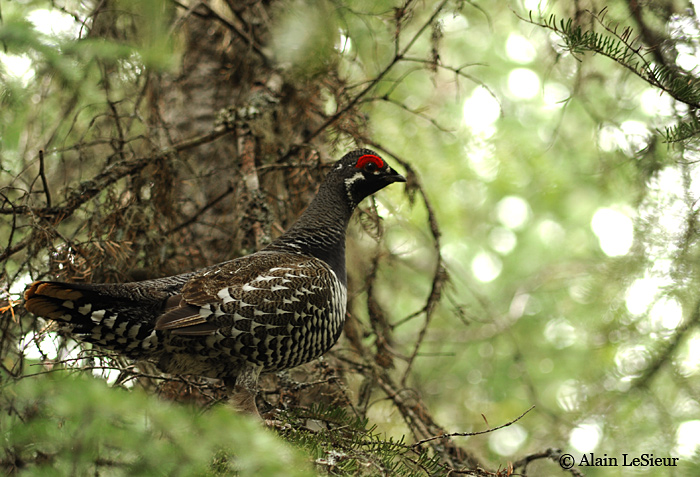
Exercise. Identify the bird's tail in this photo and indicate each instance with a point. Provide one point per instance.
(65, 302)
(111, 317)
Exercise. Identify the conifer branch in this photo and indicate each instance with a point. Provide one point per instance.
(625, 50)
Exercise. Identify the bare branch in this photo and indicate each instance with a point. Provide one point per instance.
(399, 55)
(475, 433)
(44, 181)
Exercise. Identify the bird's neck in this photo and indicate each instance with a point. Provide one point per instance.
(320, 230)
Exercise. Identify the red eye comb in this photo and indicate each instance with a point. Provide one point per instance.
(363, 160)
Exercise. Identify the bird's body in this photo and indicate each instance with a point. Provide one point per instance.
(272, 310)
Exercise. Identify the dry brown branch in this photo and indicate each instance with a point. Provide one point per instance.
(193, 219)
(475, 433)
(550, 454)
(207, 11)
(44, 181)
(246, 151)
(666, 355)
(380, 325)
(86, 190)
(440, 276)
(421, 423)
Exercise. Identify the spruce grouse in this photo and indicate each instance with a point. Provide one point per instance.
(272, 310)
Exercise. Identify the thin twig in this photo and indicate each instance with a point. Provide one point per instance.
(44, 181)
(378, 320)
(647, 71)
(439, 279)
(475, 433)
(90, 188)
(666, 355)
(415, 112)
(440, 276)
(211, 13)
(378, 78)
(86, 190)
(419, 420)
(197, 215)
(246, 152)
(22, 244)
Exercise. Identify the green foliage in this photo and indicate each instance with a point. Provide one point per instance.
(344, 444)
(683, 131)
(60, 425)
(629, 52)
(304, 38)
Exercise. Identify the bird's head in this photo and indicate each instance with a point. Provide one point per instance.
(363, 172)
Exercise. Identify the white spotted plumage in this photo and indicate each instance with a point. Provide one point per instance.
(283, 329)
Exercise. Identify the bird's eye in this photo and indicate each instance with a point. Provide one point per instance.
(370, 167)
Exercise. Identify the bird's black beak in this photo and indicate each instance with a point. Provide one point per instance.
(393, 176)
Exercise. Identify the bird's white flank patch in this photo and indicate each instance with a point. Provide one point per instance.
(97, 315)
(225, 295)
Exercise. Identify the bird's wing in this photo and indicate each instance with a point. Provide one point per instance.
(259, 290)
